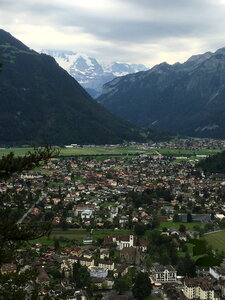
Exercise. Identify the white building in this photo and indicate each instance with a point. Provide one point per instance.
(86, 214)
(126, 242)
(162, 274)
(199, 288)
(217, 272)
(80, 208)
(106, 265)
(98, 272)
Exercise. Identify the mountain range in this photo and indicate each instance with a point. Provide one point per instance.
(41, 103)
(186, 98)
(89, 72)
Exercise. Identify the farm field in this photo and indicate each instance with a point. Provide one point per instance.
(101, 151)
(178, 152)
(216, 240)
(82, 151)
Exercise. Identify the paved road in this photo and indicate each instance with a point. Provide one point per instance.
(29, 210)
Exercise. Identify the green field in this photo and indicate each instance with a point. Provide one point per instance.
(131, 150)
(81, 151)
(169, 224)
(78, 235)
(181, 152)
(216, 240)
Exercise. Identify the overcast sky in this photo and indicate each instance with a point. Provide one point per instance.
(138, 31)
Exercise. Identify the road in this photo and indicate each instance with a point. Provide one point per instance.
(29, 210)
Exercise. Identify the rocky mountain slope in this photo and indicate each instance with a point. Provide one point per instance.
(89, 72)
(187, 98)
(41, 103)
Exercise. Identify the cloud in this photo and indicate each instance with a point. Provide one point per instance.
(135, 30)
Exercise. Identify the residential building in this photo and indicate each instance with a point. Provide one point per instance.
(199, 288)
(163, 274)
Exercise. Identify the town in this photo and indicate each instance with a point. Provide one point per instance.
(115, 218)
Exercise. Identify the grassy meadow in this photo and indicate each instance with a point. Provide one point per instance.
(216, 240)
(171, 224)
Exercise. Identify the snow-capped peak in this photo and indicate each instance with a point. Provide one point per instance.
(89, 72)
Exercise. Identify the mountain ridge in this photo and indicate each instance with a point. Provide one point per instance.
(90, 72)
(186, 98)
(41, 103)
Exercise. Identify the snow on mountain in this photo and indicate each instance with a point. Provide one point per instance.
(89, 72)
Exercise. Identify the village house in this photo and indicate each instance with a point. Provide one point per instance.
(86, 262)
(104, 254)
(109, 265)
(8, 268)
(80, 208)
(121, 270)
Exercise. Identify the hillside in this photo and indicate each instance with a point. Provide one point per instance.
(214, 163)
(41, 103)
(89, 72)
(186, 98)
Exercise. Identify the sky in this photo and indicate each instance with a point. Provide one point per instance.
(136, 31)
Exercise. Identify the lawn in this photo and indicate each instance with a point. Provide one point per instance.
(190, 251)
(216, 240)
(169, 224)
(77, 234)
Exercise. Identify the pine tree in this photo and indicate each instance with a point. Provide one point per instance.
(14, 235)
